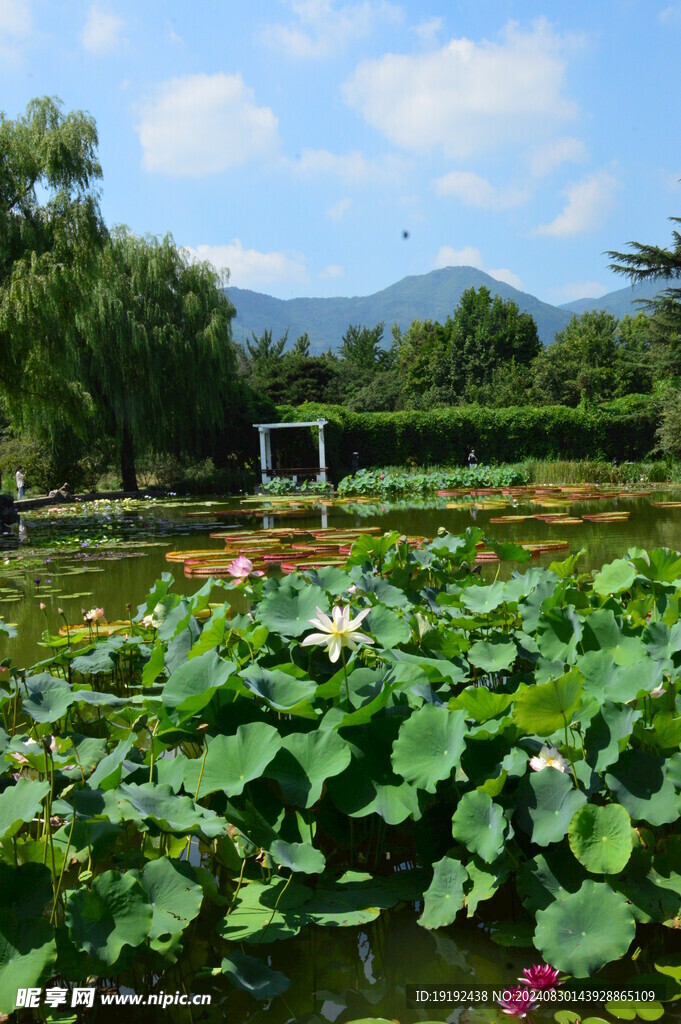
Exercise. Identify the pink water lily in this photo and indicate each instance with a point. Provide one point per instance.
(539, 976)
(241, 568)
(338, 631)
(517, 1002)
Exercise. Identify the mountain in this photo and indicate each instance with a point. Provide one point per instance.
(621, 301)
(431, 296)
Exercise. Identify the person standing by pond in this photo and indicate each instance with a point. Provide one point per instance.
(472, 459)
(21, 482)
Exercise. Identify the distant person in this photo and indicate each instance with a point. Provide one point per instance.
(472, 459)
(21, 482)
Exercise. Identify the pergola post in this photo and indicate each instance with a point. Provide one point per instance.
(321, 476)
(264, 438)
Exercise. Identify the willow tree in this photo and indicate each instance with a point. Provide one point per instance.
(50, 233)
(154, 352)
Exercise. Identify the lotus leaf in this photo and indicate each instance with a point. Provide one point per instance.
(266, 912)
(600, 838)
(639, 783)
(546, 805)
(114, 913)
(480, 825)
(49, 698)
(493, 656)
(484, 599)
(192, 685)
(559, 632)
(614, 577)
(233, 761)
(298, 857)
(389, 628)
(28, 952)
(429, 746)
(253, 976)
(281, 691)
(605, 732)
(585, 930)
(159, 806)
(175, 897)
(549, 876)
(305, 761)
(444, 896)
(20, 803)
(288, 611)
(544, 708)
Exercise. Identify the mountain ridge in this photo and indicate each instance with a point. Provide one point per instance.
(431, 296)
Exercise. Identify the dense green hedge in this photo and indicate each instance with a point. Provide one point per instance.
(622, 429)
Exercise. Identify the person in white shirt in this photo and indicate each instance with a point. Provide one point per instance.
(21, 482)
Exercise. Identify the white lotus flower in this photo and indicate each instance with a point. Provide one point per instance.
(548, 757)
(658, 691)
(338, 631)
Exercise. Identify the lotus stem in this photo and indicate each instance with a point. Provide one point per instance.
(63, 869)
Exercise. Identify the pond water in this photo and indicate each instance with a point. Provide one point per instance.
(109, 554)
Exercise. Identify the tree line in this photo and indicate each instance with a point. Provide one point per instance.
(115, 345)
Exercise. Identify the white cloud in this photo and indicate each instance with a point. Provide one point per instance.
(204, 124)
(16, 23)
(578, 290)
(339, 209)
(321, 28)
(468, 96)
(473, 190)
(351, 168)
(429, 30)
(249, 268)
(545, 158)
(102, 32)
(470, 256)
(589, 202)
(332, 271)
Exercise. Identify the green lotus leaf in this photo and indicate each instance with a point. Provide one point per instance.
(602, 632)
(600, 838)
(667, 731)
(25, 890)
(50, 698)
(661, 640)
(602, 739)
(233, 761)
(546, 804)
(480, 825)
(389, 628)
(369, 785)
(559, 631)
(175, 897)
(281, 691)
(661, 565)
(192, 686)
(492, 656)
(107, 774)
(97, 699)
(443, 899)
(429, 746)
(544, 708)
(298, 857)
(305, 761)
(614, 577)
(114, 913)
(266, 913)
(484, 599)
(483, 881)
(507, 551)
(549, 876)
(253, 975)
(638, 782)
(354, 899)
(480, 703)
(330, 578)
(20, 803)
(158, 805)
(383, 591)
(103, 658)
(585, 930)
(28, 952)
(287, 611)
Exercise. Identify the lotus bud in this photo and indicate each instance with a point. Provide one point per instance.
(42, 606)
(203, 727)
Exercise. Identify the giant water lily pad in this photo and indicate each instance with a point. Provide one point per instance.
(115, 913)
(429, 746)
(546, 805)
(444, 897)
(585, 930)
(480, 825)
(600, 838)
(233, 761)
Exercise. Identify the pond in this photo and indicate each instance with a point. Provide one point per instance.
(106, 554)
(109, 554)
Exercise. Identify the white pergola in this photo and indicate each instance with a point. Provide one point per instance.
(265, 429)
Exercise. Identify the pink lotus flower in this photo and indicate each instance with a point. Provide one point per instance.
(539, 976)
(20, 759)
(241, 568)
(518, 1002)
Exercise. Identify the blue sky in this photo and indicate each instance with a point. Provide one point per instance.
(294, 141)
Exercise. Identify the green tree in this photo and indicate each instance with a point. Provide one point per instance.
(50, 233)
(263, 349)
(361, 347)
(155, 352)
